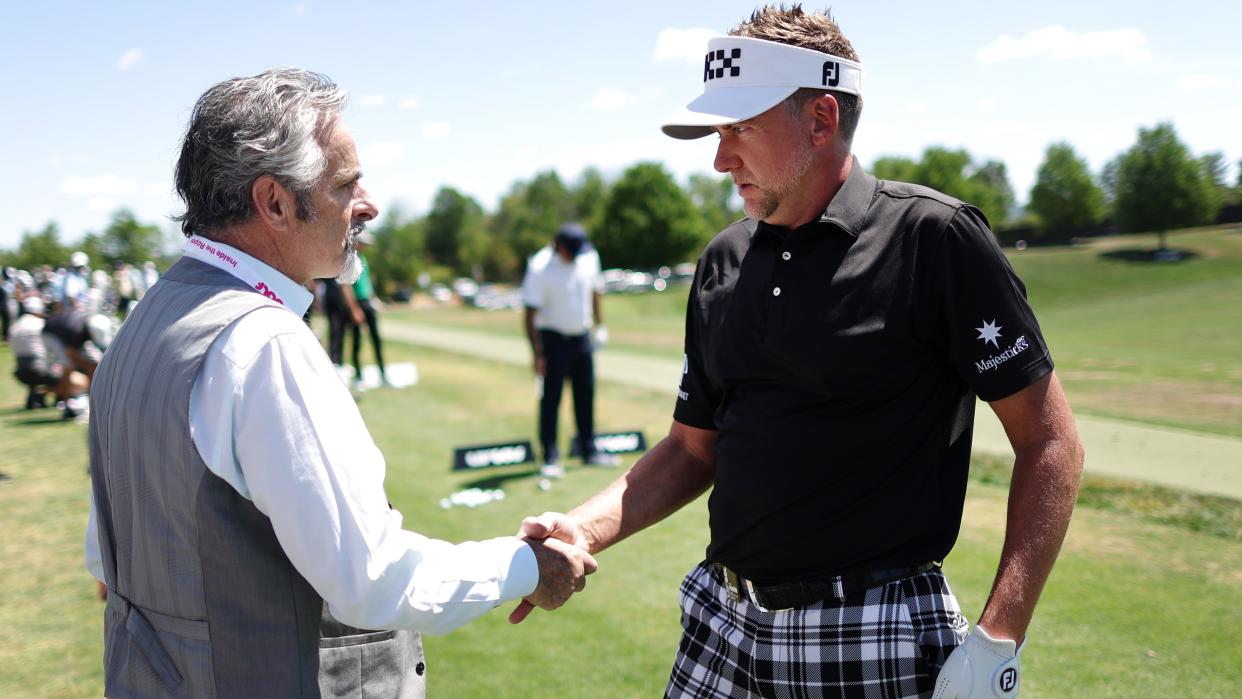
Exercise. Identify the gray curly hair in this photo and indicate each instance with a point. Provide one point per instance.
(269, 124)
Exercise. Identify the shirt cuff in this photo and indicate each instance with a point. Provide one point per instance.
(522, 575)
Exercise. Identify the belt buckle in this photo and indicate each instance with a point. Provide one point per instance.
(754, 599)
(731, 584)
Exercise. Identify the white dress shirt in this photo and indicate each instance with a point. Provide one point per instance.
(562, 291)
(271, 417)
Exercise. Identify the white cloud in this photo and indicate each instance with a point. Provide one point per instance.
(437, 129)
(129, 59)
(382, 152)
(682, 44)
(1060, 44)
(55, 160)
(372, 100)
(101, 203)
(298, 9)
(154, 188)
(109, 184)
(987, 105)
(609, 99)
(1193, 83)
(410, 102)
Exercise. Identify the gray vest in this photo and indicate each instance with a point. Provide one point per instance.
(202, 600)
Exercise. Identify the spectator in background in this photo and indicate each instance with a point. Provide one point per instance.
(8, 300)
(561, 292)
(76, 282)
(99, 298)
(342, 312)
(77, 340)
(364, 296)
(150, 275)
(124, 287)
(35, 369)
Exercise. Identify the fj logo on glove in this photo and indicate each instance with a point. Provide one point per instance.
(1008, 680)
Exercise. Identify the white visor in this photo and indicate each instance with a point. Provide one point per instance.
(743, 78)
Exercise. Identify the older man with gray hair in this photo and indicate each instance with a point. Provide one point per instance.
(238, 495)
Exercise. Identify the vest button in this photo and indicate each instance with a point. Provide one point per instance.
(776, 291)
(785, 256)
(420, 668)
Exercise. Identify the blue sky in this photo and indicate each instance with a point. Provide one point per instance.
(479, 95)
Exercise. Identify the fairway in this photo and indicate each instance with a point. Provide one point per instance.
(1148, 342)
(1130, 607)
(1165, 406)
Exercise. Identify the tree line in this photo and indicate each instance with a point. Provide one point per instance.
(645, 219)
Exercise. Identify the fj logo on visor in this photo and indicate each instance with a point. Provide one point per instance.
(832, 73)
(715, 63)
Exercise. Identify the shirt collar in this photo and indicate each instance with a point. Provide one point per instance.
(293, 296)
(848, 208)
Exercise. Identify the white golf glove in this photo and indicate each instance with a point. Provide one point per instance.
(601, 337)
(981, 667)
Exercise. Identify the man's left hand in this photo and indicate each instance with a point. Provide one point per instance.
(981, 667)
(600, 337)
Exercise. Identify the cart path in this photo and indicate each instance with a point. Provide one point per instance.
(1194, 461)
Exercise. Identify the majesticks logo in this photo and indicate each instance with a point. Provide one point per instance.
(1018, 347)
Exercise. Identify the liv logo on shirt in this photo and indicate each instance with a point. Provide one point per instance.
(262, 288)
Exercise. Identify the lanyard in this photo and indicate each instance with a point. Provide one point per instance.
(206, 251)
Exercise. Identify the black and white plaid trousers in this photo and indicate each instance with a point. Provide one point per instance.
(885, 642)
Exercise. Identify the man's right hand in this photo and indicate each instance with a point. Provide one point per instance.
(540, 365)
(562, 572)
(555, 525)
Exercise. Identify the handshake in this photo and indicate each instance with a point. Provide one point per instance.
(561, 552)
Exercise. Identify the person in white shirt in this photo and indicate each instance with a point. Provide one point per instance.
(77, 284)
(563, 321)
(260, 479)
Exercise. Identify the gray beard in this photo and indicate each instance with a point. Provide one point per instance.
(351, 268)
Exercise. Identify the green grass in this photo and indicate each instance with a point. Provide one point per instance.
(1210, 514)
(646, 323)
(1135, 608)
(1151, 342)
(1148, 342)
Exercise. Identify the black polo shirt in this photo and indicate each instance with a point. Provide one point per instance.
(840, 363)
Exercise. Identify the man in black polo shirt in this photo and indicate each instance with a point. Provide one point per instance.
(836, 340)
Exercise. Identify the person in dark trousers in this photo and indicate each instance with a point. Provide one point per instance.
(342, 313)
(364, 297)
(6, 298)
(563, 321)
(836, 341)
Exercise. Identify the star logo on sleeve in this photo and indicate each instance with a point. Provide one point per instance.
(990, 332)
